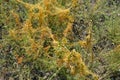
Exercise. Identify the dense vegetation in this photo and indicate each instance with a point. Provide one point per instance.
(59, 40)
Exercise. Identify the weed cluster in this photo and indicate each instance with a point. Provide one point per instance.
(59, 39)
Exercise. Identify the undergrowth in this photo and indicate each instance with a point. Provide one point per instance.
(59, 39)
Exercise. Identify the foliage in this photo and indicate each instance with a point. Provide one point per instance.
(59, 39)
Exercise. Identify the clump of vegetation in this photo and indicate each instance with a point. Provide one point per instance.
(59, 39)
